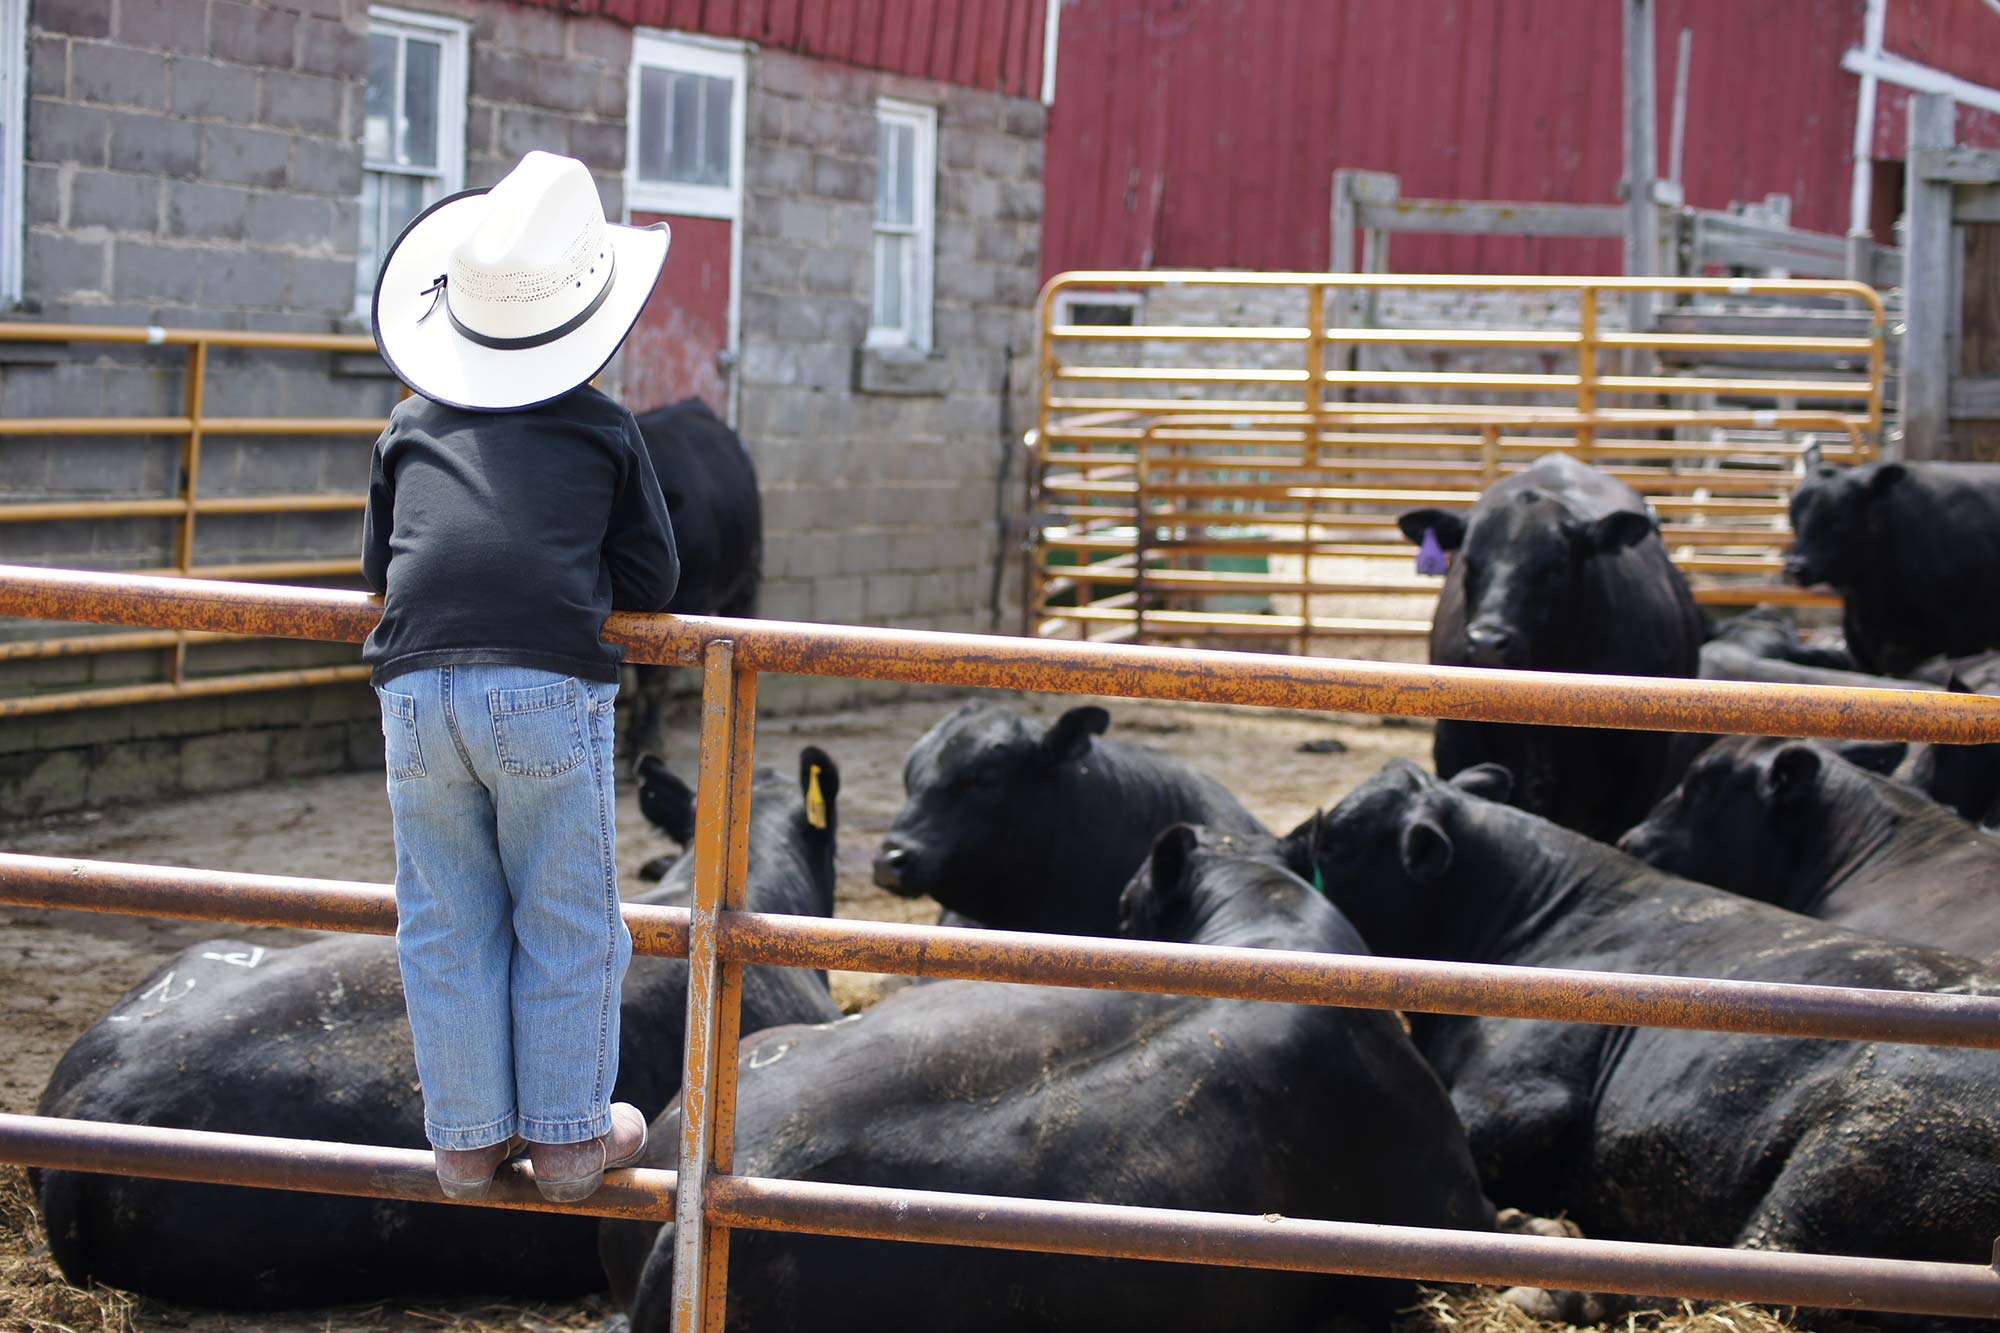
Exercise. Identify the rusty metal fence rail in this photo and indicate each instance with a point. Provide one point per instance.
(185, 507)
(1177, 464)
(706, 1201)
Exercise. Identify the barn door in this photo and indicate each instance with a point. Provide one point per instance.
(684, 166)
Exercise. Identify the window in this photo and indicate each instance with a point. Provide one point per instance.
(13, 105)
(413, 129)
(1099, 308)
(685, 135)
(905, 232)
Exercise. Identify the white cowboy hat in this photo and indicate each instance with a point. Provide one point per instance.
(508, 298)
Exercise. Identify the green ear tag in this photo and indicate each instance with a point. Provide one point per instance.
(1319, 881)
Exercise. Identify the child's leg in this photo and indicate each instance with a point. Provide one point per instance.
(453, 934)
(554, 800)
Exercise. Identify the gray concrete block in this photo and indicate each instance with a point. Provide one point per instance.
(522, 28)
(864, 552)
(613, 84)
(211, 89)
(246, 156)
(306, 102)
(502, 75)
(48, 67)
(764, 121)
(840, 601)
(320, 166)
(523, 131)
(43, 196)
(600, 144)
(81, 18)
(963, 196)
(842, 178)
(292, 220)
(239, 277)
(148, 271)
(134, 771)
(38, 783)
(115, 200)
(781, 72)
(833, 270)
(599, 41)
(321, 284)
(1022, 117)
(773, 266)
(253, 34)
(308, 751)
(207, 212)
(1020, 201)
(157, 145)
(330, 46)
(889, 597)
(218, 763)
(481, 129)
(64, 132)
(779, 170)
(958, 149)
(364, 746)
(1002, 155)
(54, 265)
(165, 25)
(118, 75)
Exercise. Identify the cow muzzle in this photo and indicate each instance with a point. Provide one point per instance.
(1801, 571)
(890, 863)
(1488, 645)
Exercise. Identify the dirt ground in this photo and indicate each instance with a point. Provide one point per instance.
(63, 970)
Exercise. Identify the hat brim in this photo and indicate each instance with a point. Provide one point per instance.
(434, 359)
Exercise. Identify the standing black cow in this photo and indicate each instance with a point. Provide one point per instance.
(1163, 1100)
(1690, 1138)
(1913, 549)
(711, 490)
(1024, 829)
(312, 1043)
(1561, 568)
(1792, 823)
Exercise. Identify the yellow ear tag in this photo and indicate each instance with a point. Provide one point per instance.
(815, 800)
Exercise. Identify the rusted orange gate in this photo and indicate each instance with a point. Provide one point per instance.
(706, 1200)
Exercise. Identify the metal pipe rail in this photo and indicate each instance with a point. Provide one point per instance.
(721, 938)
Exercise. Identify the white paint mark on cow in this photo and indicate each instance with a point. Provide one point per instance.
(164, 992)
(238, 958)
(767, 1056)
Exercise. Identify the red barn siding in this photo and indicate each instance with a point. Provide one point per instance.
(1205, 133)
(991, 44)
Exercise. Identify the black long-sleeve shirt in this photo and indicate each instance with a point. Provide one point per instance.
(509, 537)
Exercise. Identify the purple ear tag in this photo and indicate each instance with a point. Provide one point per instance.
(1430, 555)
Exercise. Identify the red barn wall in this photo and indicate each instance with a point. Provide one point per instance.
(995, 45)
(1205, 133)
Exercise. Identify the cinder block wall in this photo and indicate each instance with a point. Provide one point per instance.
(879, 469)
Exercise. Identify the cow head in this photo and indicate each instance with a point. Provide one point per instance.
(989, 795)
(1382, 855)
(1832, 526)
(1519, 559)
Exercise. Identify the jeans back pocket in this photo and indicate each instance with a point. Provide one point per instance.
(538, 731)
(400, 751)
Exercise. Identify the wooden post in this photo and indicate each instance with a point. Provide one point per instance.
(1642, 214)
(1927, 287)
(1860, 265)
(1352, 189)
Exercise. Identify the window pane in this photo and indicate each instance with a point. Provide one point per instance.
(369, 258)
(884, 165)
(902, 202)
(895, 167)
(888, 311)
(421, 60)
(684, 129)
(716, 94)
(406, 197)
(375, 134)
(652, 123)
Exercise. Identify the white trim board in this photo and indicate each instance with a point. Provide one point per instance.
(1905, 73)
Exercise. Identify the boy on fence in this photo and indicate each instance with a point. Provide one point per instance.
(512, 507)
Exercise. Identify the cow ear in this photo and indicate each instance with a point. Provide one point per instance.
(1792, 771)
(1172, 863)
(1617, 530)
(819, 779)
(1493, 782)
(1426, 848)
(1300, 848)
(1446, 525)
(1886, 477)
(1881, 757)
(1068, 737)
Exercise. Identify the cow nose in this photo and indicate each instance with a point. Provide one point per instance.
(1488, 643)
(1633, 842)
(889, 863)
(1799, 571)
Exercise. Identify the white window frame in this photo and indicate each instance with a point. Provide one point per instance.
(453, 36)
(687, 55)
(13, 120)
(915, 333)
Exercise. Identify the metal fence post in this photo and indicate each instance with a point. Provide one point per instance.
(715, 987)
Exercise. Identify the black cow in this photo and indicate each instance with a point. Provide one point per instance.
(1792, 823)
(668, 805)
(1913, 549)
(1170, 1101)
(312, 1042)
(711, 490)
(1689, 1138)
(1763, 645)
(1021, 828)
(1964, 777)
(1560, 568)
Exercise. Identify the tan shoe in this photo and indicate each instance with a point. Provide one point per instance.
(467, 1174)
(569, 1172)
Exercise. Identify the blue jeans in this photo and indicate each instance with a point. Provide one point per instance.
(512, 946)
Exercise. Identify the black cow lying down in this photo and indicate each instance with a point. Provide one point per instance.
(1020, 828)
(1912, 548)
(1170, 1101)
(1762, 644)
(1644, 1134)
(312, 1042)
(1561, 568)
(1792, 823)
